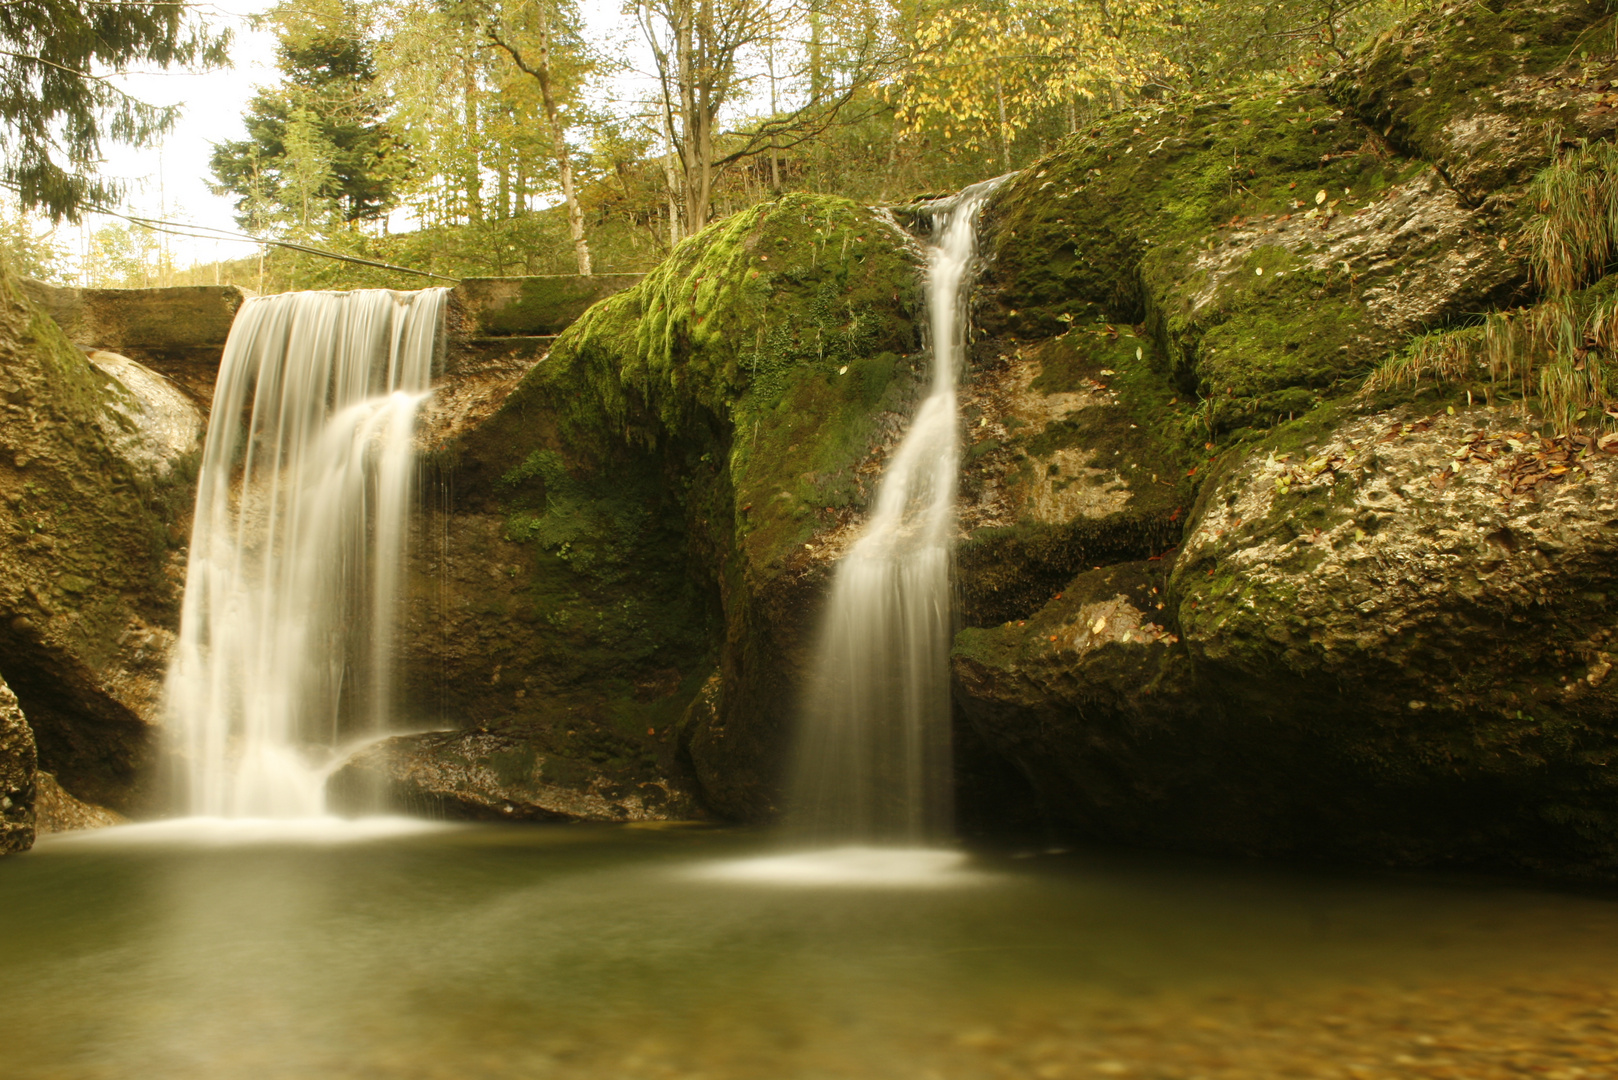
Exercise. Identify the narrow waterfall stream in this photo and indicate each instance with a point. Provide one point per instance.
(875, 749)
(286, 634)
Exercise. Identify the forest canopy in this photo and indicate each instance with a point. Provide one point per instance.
(472, 137)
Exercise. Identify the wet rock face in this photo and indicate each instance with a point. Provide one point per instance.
(1066, 466)
(1084, 696)
(56, 810)
(587, 656)
(499, 776)
(17, 776)
(96, 469)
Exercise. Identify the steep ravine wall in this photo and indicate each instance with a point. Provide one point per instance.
(1215, 597)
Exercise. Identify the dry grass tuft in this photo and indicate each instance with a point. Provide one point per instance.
(1560, 354)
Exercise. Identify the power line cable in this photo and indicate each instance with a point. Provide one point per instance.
(201, 232)
(197, 232)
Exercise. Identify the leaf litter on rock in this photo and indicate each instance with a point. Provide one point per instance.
(1523, 461)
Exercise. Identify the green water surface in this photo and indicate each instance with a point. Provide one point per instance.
(490, 951)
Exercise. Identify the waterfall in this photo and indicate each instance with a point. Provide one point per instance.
(874, 756)
(287, 626)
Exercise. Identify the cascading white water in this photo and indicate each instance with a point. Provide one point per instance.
(287, 627)
(875, 750)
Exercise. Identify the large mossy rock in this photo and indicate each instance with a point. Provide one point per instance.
(1434, 634)
(1351, 658)
(1387, 632)
(1473, 87)
(97, 462)
(623, 575)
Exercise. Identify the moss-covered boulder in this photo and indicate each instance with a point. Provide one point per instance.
(1273, 248)
(1184, 277)
(18, 763)
(1386, 633)
(95, 492)
(652, 510)
(1429, 602)
(1363, 652)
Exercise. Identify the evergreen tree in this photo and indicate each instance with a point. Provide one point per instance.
(57, 104)
(317, 149)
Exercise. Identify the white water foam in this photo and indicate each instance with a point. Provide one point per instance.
(318, 830)
(287, 627)
(854, 866)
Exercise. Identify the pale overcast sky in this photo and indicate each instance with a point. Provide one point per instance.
(172, 182)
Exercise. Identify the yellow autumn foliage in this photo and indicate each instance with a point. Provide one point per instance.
(988, 70)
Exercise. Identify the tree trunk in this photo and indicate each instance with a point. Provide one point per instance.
(502, 209)
(691, 141)
(1005, 143)
(817, 56)
(473, 178)
(775, 158)
(564, 164)
(671, 176)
